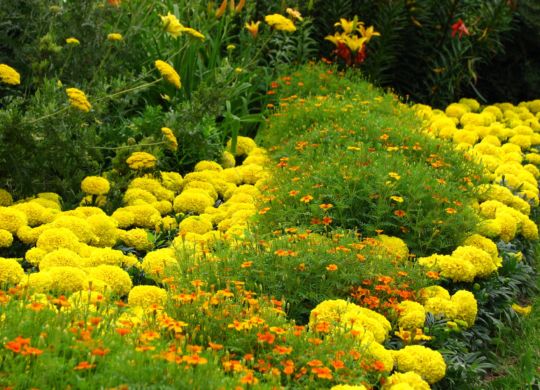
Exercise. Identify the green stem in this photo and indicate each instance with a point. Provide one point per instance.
(49, 115)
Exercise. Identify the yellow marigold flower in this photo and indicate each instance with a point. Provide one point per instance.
(348, 387)
(253, 28)
(8, 75)
(145, 215)
(56, 238)
(105, 256)
(411, 379)
(171, 24)
(78, 99)
(195, 224)
(104, 229)
(141, 160)
(280, 22)
(6, 238)
(192, 200)
(429, 364)
(146, 296)
(67, 279)
(72, 41)
(412, 315)
(12, 219)
(169, 135)
(61, 258)
(466, 306)
(115, 37)
(206, 165)
(38, 282)
(136, 238)
(115, 277)
(244, 145)
(11, 272)
(168, 73)
(95, 185)
(160, 263)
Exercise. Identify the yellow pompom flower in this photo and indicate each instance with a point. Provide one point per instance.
(280, 22)
(160, 263)
(77, 99)
(115, 277)
(6, 238)
(411, 379)
(466, 306)
(348, 387)
(61, 258)
(12, 219)
(136, 238)
(67, 279)
(56, 238)
(8, 75)
(95, 185)
(114, 37)
(480, 259)
(146, 296)
(195, 224)
(192, 200)
(206, 165)
(141, 160)
(168, 73)
(412, 315)
(244, 145)
(11, 272)
(427, 363)
(38, 282)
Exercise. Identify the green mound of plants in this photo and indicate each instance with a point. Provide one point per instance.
(339, 141)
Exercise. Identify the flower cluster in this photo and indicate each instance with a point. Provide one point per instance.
(78, 99)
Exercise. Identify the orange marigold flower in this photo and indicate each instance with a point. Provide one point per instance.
(246, 264)
(215, 346)
(315, 363)
(101, 351)
(337, 364)
(326, 206)
(123, 331)
(294, 193)
(249, 379)
(432, 275)
(282, 350)
(451, 210)
(27, 350)
(84, 366)
(332, 267)
(322, 372)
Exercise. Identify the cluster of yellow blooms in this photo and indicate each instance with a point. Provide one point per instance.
(73, 249)
(77, 99)
(414, 363)
(8, 75)
(168, 73)
(501, 137)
